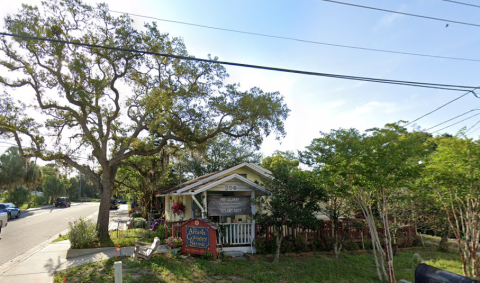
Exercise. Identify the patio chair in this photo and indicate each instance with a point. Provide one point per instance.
(145, 250)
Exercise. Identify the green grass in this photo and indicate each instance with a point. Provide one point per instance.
(25, 206)
(124, 239)
(318, 268)
(61, 238)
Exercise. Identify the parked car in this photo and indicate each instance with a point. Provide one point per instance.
(11, 209)
(113, 203)
(62, 201)
(122, 201)
(3, 220)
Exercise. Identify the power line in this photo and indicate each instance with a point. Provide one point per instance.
(462, 3)
(472, 127)
(457, 122)
(302, 40)
(367, 79)
(471, 91)
(405, 14)
(452, 119)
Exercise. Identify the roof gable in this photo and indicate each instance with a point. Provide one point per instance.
(202, 180)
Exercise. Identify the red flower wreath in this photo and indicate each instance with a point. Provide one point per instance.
(178, 207)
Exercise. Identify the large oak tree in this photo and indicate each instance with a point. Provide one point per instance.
(115, 104)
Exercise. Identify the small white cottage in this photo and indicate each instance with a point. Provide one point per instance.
(224, 197)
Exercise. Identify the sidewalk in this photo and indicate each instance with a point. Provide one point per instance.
(41, 266)
(40, 263)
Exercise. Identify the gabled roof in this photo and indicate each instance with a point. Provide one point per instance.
(193, 186)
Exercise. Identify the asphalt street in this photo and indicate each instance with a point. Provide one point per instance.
(35, 227)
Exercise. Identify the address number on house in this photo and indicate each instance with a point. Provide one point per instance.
(230, 188)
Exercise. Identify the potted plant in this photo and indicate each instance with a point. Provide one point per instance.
(179, 208)
(174, 243)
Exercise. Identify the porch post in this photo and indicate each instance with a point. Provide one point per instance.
(252, 197)
(204, 213)
(199, 205)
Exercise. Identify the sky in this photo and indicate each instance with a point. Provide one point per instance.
(320, 104)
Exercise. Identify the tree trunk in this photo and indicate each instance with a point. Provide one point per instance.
(279, 239)
(387, 240)
(104, 210)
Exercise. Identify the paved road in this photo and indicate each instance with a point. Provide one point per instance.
(35, 227)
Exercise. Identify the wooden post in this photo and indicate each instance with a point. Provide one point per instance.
(252, 197)
(118, 271)
(204, 213)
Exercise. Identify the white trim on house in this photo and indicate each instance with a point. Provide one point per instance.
(206, 180)
(219, 182)
(229, 178)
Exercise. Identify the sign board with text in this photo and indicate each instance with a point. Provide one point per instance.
(199, 236)
(228, 205)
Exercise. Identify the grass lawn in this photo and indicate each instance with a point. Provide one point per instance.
(317, 268)
(25, 206)
(124, 239)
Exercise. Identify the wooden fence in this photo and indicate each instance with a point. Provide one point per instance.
(354, 231)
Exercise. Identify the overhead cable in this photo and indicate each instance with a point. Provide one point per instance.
(461, 3)
(438, 108)
(452, 119)
(405, 14)
(302, 40)
(356, 78)
(457, 122)
(472, 127)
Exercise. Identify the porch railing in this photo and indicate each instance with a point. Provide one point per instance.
(235, 233)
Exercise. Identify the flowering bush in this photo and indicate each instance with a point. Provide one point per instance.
(82, 234)
(174, 242)
(178, 207)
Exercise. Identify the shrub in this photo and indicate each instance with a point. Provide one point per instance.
(263, 246)
(174, 242)
(140, 222)
(136, 214)
(160, 233)
(301, 243)
(19, 196)
(38, 199)
(288, 245)
(82, 234)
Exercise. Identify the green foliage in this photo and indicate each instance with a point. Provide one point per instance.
(294, 199)
(294, 195)
(140, 222)
(262, 246)
(112, 106)
(218, 154)
(12, 168)
(82, 234)
(207, 256)
(451, 179)
(136, 214)
(19, 196)
(52, 186)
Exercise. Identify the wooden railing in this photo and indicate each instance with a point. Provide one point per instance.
(235, 233)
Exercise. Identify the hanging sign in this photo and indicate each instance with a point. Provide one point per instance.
(228, 205)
